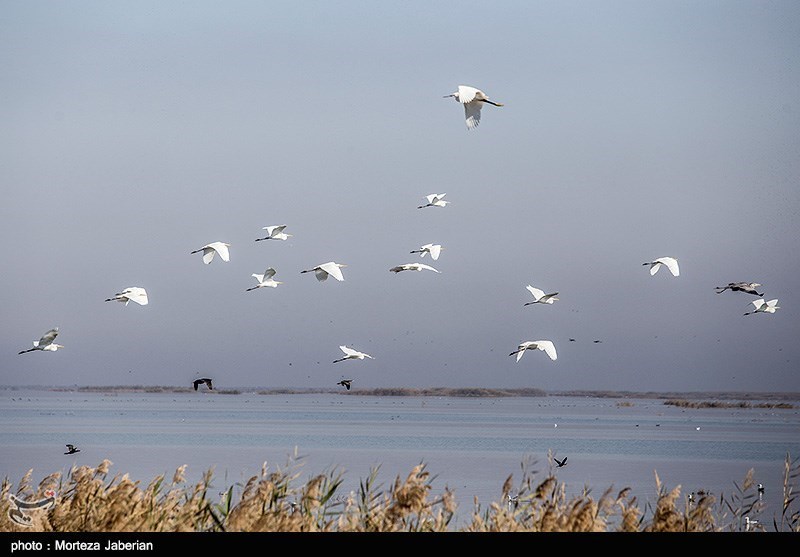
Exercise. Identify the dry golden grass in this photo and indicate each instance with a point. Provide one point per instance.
(274, 501)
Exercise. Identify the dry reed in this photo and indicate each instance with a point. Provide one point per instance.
(274, 501)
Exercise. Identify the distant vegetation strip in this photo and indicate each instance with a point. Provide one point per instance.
(718, 404)
(687, 399)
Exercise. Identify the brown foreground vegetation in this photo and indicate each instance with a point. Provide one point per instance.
(88, 501)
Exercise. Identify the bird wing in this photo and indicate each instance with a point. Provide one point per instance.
(136, 294)
(274, 230)
(423, 266)
(259, 278)
(268, 274)
(349, 351)
(48, 337)
(672, 265)
(434, 250)
(548, 347)
(208, 254)
(398, 269)
(472, 113)
(537, 294)
(332, 269)
(222, 249)
(520, 353)
(758, 303)
(431, 197)
(654, 267)
(466, 94)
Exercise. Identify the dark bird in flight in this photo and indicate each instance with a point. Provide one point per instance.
(345, 383)
(206, 380)
(71, 449)
(747, 287)
(597, 341)
(562, 462)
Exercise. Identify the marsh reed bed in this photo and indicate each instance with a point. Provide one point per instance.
(91, 500)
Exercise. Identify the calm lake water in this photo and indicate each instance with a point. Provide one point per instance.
(471, 445)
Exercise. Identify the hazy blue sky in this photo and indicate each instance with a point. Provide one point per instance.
(136, 132)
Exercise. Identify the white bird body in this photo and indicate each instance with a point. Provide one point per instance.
(764, 307)
(352, 354)
(473, 100)
(275, 233)
(413, 267)
(545, 345)
(433, 249)
(330, 268)
(131, 294)
(669, 262)
(434, 200)
(265, 280)
(539, 297)
(210, 250)
(46, 342)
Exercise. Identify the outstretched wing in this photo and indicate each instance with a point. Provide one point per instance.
(333, 270)
(48, 337)
(268, 274)
(466, 94)
(548, 347)
(208, 254)
(222, 249)
(427, 267)
(672, 265)
(349, 351)
(537, 294)
(136, 294)
(472, 113)
(435, 250)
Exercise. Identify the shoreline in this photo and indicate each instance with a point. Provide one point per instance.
(462, 392)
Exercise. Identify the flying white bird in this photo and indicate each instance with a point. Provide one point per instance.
(131, 294)
(209, 250)
(748, 287)
(764, 307)
(670, 262)
(434, 200)
(275, 233)
(351, 354)
(413, 267)
(330, 268)
(539, 297)
(473, 100)
(547, 346)
(46, 342)
(433, 249)
(265, 280)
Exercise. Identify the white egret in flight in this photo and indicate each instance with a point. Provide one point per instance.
(209, 250)
(352, 354)
(539, 297)
(265, 280)
(473, 100)
(547, 346)
(330, 268)
(275, 233)
(669, 262)
(747, 287)
(434, 200)
(764, 307)
(433, 249)
(131, 294)
(413, 267)
(46, 342)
